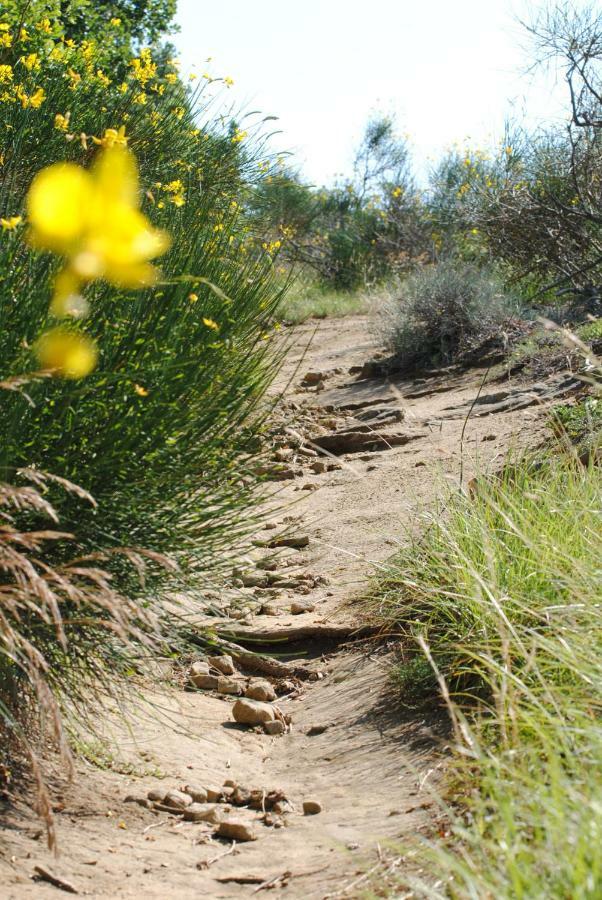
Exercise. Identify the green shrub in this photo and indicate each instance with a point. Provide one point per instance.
(442, 311)
(162, 432)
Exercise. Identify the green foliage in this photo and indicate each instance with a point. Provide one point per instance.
(503, 592)
(442, 311)
(161, 433)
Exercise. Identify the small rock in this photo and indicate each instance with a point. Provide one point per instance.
(253, 712)
(274, 728)
(236, 830)
(157, 795)
(203, 812)
(229, 782)
(240, 796)
(311, 807)
(260, 690)
(268, 609)
(319, 466)
(309, 487)
(420, 462)
(307, 452)
(198, 794)
(205, 682)
(227, 685)
(302, 606)
(214, 794)
(177, 799)
(140, 801)
(284, 454)
(281, 807)
(200, 667)
(223, 664)
(286, 687)
(312, 378)
(253, 579)
(489, 437)
(316, 729)
(296, 541)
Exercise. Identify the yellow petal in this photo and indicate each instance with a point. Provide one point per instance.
(115, 176)
(57, 205)
(67, 353)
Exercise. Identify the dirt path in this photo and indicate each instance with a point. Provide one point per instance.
(387, 448)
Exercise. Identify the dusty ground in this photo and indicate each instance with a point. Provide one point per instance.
(371, 767)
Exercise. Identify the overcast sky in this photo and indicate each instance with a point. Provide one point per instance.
(449, 70)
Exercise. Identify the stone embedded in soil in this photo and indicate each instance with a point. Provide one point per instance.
(223, 664)
(236, 830)
(260, 690)
(315, 730)
(205, 682)
(227, 685)
(157, 795)
(140, 801)
(302, 606)
(253, 712)
(177, 799)
(214, 794)
(268, 609)
(200, 667)
(204, 812)
(319, 466)
(274, 728)
(311, 807)
(240, 796)
(296, 541)
(312, 378)
(198, 793)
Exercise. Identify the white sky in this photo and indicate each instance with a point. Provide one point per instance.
(447, 69)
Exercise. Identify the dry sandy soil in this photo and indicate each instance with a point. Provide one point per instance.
(389, 447)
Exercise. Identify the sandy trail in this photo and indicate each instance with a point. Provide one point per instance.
(370, 766)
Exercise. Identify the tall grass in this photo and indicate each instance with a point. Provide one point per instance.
(504, 594)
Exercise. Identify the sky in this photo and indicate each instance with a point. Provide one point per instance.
(447, 70)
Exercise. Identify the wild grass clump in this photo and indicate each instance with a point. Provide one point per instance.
(503, 593)
(442, 311)
(310, 299)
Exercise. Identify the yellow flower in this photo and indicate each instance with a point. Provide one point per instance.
(397, 192)
(31, 61)
(210, 324)
(171, 78)
(67, 353)
(178, 112)
(92, 218)
(102, 78)
(74, 78)
(6, 39)
(112, 138)
(115, 22)
(123, 88)
(6, 74)
(141, 391)
(229, 81)
(140, 98)
(44, 26)
(34, 100)
(61, 123)
(193, 297)
(11, 223)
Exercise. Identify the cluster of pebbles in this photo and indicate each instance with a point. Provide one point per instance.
(255, 705)
(226, 809)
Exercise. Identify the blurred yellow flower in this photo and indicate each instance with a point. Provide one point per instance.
(171, 78)
(34, 100)
(11, 223)
(61, 123)
(209, 323)
(112, 138)
(229, 81)
(141, 391)
(6, 74)
(31, 61)
(67, 353)
(92, 218)
(115, 22)
(193, 297)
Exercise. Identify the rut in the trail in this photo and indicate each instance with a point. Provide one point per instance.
(356, 459)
